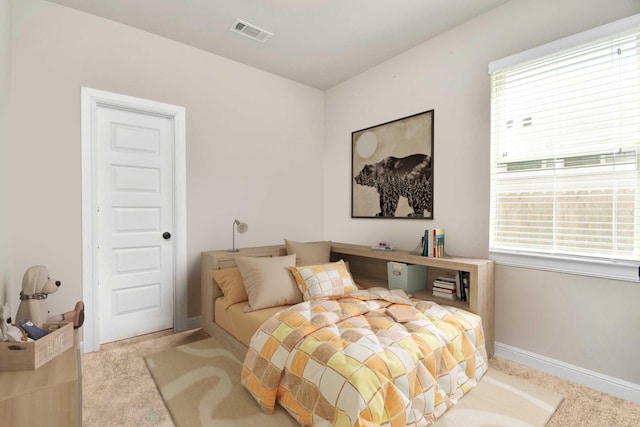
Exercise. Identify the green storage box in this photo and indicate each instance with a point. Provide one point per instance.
(408, 277)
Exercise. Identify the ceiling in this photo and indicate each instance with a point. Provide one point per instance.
(319, 43)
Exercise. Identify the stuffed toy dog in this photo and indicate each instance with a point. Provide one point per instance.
(36, 286)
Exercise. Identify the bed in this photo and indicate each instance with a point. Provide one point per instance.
(343, 356)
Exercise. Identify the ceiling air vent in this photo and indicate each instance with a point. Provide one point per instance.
(250, 30)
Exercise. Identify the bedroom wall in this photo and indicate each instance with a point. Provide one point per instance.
(5, 85)
(590, 323)
(253, 139)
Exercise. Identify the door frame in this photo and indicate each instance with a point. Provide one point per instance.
(90, 100)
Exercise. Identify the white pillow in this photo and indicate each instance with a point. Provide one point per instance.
(268, 281)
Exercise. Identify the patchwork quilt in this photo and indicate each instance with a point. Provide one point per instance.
(345, 361)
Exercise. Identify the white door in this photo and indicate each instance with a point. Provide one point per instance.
(135, 201)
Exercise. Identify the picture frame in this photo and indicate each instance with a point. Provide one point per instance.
(392, 169)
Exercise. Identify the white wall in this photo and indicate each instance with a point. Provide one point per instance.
(5, 85)
(253, 139)
(449, 74)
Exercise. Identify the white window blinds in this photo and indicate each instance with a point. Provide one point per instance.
(565, 151)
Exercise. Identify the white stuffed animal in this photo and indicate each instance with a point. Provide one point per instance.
(36, 286)
(8, 332)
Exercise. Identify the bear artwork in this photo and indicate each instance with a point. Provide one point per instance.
(394, 177)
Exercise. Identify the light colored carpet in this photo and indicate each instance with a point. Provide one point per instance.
(118, 390)
(199, 384)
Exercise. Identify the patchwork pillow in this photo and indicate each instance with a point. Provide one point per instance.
(316, 281)
(230, 282)
(309, 253)
(268, 281)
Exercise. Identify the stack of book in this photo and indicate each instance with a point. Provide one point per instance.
(445, 287)
(433, 243)
(454, 287)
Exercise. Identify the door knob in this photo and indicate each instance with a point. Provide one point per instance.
(166, 235)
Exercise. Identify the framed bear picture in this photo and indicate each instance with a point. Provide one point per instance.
(392, 169)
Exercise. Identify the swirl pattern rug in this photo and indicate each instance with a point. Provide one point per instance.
(200, 384)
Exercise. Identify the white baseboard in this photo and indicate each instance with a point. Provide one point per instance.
(193, 323)
(604, 383)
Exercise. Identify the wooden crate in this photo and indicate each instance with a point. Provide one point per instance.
(19, 356)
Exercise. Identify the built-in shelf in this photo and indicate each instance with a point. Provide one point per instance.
(369, 268)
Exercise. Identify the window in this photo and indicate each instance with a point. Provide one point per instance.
(565, 154)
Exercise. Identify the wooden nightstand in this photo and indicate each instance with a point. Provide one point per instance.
(48, 396)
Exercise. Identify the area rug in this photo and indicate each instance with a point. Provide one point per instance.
(502, 400)
(200, 385)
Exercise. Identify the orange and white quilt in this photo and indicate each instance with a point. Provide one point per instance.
(344, 361)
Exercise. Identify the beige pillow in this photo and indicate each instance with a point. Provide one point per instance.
(326, 280)
(268, 281)
(230, 283)
(309, 253)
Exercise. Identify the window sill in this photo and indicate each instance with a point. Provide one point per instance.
(607, 269)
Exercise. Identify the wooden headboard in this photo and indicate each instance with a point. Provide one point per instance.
(217, 260)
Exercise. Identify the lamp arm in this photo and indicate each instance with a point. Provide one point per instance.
(233, 233)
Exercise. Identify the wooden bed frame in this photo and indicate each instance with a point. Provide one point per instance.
(217, 260)
(369, 268)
